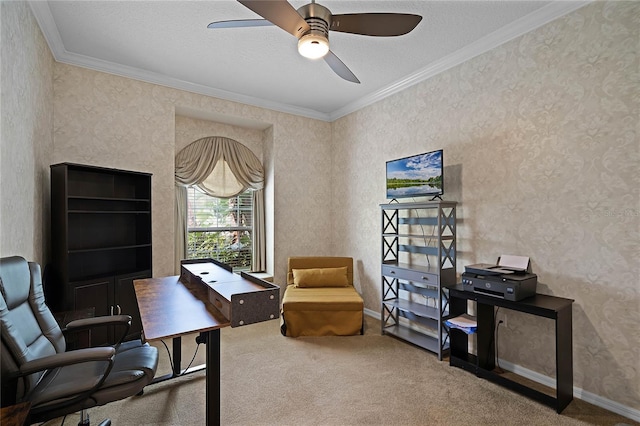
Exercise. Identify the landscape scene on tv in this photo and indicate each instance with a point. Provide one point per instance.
(415, 176)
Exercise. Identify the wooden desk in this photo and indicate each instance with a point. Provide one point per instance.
(15, 415)
(483, 364)
(170, 309)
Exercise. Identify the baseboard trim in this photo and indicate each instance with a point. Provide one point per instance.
(578, 393)
(371, 313)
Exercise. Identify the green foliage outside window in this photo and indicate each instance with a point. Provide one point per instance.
(221, 246)
(220, 228)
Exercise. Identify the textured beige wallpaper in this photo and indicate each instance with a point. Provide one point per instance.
(26, 141)
(541, 148)
(191, 129)
(110, 121)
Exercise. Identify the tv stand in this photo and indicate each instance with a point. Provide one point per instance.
(483, 363)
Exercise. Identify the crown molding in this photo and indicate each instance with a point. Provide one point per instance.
(49, 29)
(515, 29)
(174, 83)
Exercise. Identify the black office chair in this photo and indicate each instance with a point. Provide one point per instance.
(35, 364)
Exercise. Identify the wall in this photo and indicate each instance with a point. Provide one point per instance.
(26, 139)
(302, 191)
(189, 130)
(541, 152)
(111, 121)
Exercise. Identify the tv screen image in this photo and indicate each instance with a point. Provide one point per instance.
(415, 176)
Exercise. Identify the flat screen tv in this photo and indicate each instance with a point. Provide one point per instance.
(416, 176)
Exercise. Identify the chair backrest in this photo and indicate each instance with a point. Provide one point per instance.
(308, 262)
(28, 329)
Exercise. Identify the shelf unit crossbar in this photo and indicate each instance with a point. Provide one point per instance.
(390, 249)
(390, 222)
(389, 289)
(389, 316)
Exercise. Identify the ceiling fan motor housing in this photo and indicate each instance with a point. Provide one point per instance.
(318, 17)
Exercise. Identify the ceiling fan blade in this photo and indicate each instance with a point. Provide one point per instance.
(340, 68)
(375, 24)
(280, 13)
(240, 23)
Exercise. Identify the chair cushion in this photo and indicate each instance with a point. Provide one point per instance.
(320, 277)
(64, 383)
(15, 270)
(306, 262)
(132, 370)
(322, 299)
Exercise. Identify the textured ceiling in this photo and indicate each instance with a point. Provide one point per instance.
(168, 42)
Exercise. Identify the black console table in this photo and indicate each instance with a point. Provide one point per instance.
(483, 364)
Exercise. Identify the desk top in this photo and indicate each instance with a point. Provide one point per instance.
(15, 415)
(170, 308)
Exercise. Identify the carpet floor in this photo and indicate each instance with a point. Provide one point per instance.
(268, 379)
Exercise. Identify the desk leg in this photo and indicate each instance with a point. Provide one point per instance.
(177, 356)
(564, 359)
(213, 378)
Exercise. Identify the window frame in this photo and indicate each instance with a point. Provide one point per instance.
(239, 210)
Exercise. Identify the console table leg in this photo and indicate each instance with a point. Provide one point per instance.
(564, 358)
(486, 349)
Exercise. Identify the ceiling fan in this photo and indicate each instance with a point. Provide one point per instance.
(311, 24)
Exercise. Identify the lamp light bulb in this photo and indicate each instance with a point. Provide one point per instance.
(313, 46)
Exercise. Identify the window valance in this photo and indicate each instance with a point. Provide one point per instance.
(219, 166)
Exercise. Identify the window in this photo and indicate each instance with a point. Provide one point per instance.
(220, 228)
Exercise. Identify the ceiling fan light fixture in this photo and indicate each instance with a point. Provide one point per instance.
(313, 46)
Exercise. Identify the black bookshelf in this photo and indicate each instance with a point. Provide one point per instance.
(101, 241)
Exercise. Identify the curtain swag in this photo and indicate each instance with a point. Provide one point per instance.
(231, 161)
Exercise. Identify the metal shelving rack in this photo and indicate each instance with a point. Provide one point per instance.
(418, 263)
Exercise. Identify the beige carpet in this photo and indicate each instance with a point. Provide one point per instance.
(268, 379)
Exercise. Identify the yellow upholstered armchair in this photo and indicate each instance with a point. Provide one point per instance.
(320, 299)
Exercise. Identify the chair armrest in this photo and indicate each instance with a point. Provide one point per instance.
(85, 323)
(106, 354)
(90, 323)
